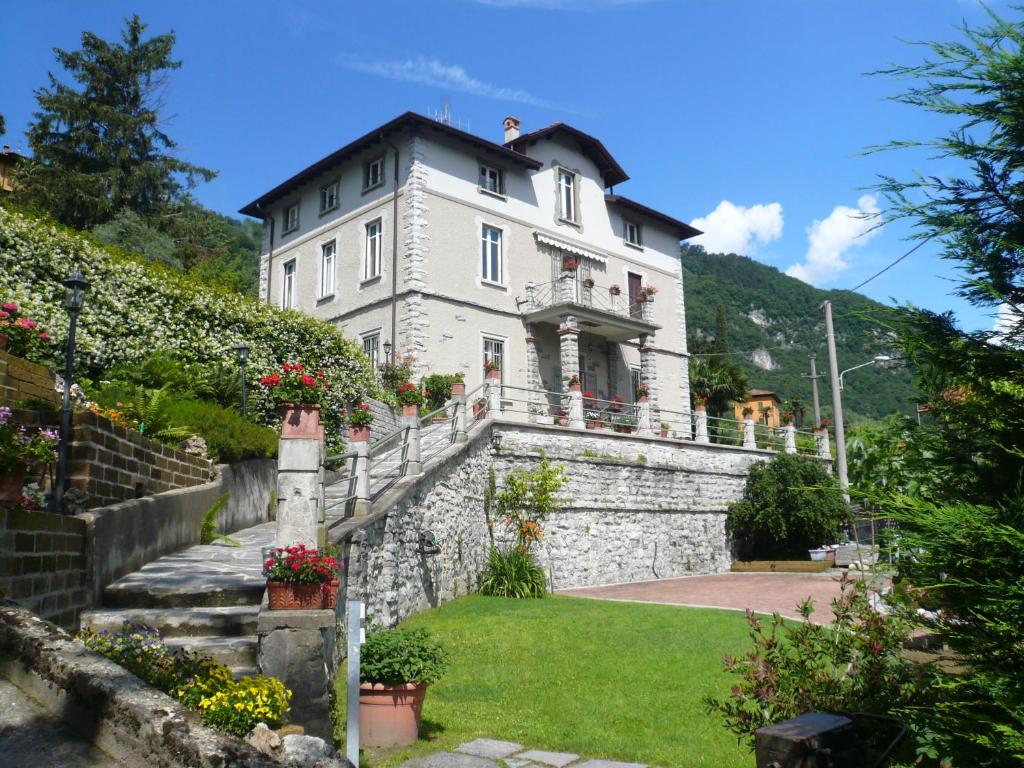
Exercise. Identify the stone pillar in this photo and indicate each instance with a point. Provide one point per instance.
(300, 491)
(567, 287)
(575, 409)
(824, 448)
(748, 434)
(701, 426)
(789, 437)
(569, 349)
(647, 309)
(643, 418)
(494, 393)
(461, 436)
(411, 418)
(649, 372)
(537, 401)
(531, 298)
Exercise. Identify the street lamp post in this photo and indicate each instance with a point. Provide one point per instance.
(76, 286)
(387, 353)
(243, 359)
(872, 361)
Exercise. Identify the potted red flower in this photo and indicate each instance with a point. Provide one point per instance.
(643, 392)
(20, 452)
(589, 399)
(569, 264)
(574, 383)
(301, 579)
(359, 420)
(614, 290)
(297, 393)
(788, 418)
(458, 384)
(491, 369)
(562, 417)
(646, 293)
(20, 334)
(411, 398)
(700, 403)
(616, 404)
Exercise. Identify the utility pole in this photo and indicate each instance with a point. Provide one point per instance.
(814, 376)
(837, 403)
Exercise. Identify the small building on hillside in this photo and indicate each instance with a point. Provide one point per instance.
(767, 407)
(9, 160)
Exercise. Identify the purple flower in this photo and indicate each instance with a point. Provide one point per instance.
(5, 414)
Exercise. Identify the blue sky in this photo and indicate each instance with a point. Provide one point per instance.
(747, 118)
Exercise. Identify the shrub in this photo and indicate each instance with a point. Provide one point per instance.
(439, 385)
(24, 336)
(397, 656)
(294, 385)
(229, 437)
(790, 504)
(409, 394)
(239, 707)
(512, 574)
(360, 416)
(394, 375)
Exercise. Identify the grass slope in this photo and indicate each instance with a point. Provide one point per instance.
(789, 316)
(600, 679)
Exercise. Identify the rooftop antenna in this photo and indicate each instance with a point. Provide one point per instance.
(444, 115)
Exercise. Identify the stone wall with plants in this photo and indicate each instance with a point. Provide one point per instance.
(24, 380)
(135, 308)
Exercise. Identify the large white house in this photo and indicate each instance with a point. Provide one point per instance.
(449, 249)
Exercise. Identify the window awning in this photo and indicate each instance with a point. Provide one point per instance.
(562, 245)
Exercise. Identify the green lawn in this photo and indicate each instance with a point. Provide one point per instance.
(601, 679)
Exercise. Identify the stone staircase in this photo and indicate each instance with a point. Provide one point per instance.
(205, 598)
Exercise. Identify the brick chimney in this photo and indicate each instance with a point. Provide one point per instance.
(511, 125)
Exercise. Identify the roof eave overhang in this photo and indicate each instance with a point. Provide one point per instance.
(606, 324)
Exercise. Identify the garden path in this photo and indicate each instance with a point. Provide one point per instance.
(491, 753)
(760, 592)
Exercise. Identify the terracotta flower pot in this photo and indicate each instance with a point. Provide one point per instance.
(478, 407)
(458, 389)
(389, 715)
(11, 483)
(591, 424)
(664, 432)
(493, 374)
(358, 434)
(642, 399)
(285, 596)
(574, 387)
(563, 421)
(410, 409)
(301, 421)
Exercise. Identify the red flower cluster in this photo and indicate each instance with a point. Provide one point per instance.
(293, 385)
(409, 394)
(23, 333)
(300, 565)
(360, 416)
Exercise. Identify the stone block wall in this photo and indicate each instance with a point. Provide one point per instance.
(20, 379)
(43, 564)
(112, 463)
(385, 420)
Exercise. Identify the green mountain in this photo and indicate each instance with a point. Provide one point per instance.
(774, 323)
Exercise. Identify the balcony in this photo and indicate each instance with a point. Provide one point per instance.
(602, 310)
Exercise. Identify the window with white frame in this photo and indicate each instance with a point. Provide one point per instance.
(371, 347)
(327, 253)
(490, 252)
(566, 194)
(374, 242)
(373, 173)
(329, 197)
(494, 351)
(291, 218)
(632, 232)
(490, 180)
(288, 286)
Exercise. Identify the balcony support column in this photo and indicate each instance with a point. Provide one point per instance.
(569, 356)
(649, 375)
(537, 401)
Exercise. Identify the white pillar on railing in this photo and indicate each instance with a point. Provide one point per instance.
(361, 470)
(459, 402)
(643, 417)
(411, 419)
(824, 448)
(789, 438)
(576, 409)
(748, 434)
(531, 302)
(494, 395)
(701, 426)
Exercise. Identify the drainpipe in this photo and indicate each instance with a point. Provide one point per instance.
(394, 252)
(268, 220)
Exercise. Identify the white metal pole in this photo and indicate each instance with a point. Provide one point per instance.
(837, 403)
(355, 636)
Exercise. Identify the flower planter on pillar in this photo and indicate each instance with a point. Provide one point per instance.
(458, 389)
(824, 448)
(358, 434)
(410, 410)
(493, 374)
(11, 484)
(701, 424)
(301, 421)
(284, 596)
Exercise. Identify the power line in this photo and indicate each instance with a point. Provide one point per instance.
(891, 265)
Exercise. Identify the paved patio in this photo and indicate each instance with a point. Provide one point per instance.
(491, 753)
(762, 592)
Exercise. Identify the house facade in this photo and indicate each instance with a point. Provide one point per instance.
(447, 249)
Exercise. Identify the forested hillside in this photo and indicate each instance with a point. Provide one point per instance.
(774, 322)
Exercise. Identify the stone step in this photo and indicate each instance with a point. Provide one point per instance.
(140, 594)
(235, 652)
(225, 621)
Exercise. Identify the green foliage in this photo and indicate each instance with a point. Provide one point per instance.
(229, 438)
(790, 504)
(24, 336)
(135, 308)
(393, 375)
(208, 528)
(527, 497)
(150, 408)
(856, 664)
(399, 656)
(197, 681)
(439, 385)
(789, 327)
(887, 456)
(514, 573)
(100, 149)
(132, 232)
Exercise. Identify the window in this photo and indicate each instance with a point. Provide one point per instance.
(374, 239)
(634, 382)
(632, 232)
(566, 195)
(490, 251)
(291, 218)
(371, 347)
(329, 197)
(373, 173)
(288, 286)
(491, 181)
(327, 269)
(585, 382)
(494, 351)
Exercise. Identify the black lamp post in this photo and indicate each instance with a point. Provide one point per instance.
(387, 353)
(76, 286)
(243, 358)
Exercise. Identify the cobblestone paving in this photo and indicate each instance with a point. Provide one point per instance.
(491, 753)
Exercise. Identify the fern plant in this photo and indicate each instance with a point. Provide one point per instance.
(208, 529)
(149, 407)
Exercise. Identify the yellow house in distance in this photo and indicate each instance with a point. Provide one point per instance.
(767, 407)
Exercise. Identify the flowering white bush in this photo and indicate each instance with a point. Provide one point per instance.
(135, 308)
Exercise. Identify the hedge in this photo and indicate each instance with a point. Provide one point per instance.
(135, 307)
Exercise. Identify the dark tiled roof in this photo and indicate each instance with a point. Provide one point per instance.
(611, 171)
(259, 206)
(685, 230)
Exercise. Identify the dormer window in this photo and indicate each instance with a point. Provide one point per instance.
(632, 234)
(291, 218)
(567, 195)
(329, 197)
(491, 180)
(373, 173)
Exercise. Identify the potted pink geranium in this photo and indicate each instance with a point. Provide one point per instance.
(297, 393)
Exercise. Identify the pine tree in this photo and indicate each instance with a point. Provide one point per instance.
(100, 149)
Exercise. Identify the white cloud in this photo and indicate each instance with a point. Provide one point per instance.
(830, 238)
(734, 228)
(1007, 321)
(448, 76)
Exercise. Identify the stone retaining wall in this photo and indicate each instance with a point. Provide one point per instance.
(20, 379)
(112, 463)
(43, 564)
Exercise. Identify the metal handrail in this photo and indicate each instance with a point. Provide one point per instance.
(593, 296)
(388, 437)
(426, 419)
(339, 457)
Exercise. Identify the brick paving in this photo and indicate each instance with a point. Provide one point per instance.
(762, 592)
